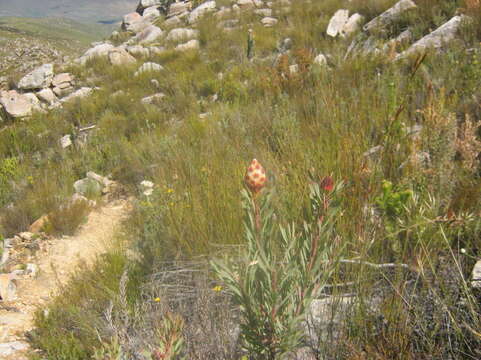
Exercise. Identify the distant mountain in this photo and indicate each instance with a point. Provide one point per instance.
(89, 11)
(29, 42)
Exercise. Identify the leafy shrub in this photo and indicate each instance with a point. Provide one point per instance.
(283, 270)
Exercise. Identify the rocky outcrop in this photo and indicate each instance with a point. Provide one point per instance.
(437, 39)
(189, 45)
(15, 105)
(343, 25)
(201, 10)
(180, 34)
(38, 79)
(148, 67)
(120, 56)
(390, 15)
(98, 50)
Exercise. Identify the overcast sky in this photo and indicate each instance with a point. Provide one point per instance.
(82, 10)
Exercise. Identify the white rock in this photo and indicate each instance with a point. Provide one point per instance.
(353, 25)
(245, 4)
(476, 275)
(181, 34)
(151, 13)
(439, 37)
(134, 22)
(153, 98)
(320, 60)
(15, 105)
(62, 78)
(80, 93)
(172, 21)
(189, 45)
(119, 56)
(144, 4)
(148, 35)
(263, 12)
(294, 69)
(337, 22)
(37, 79)
(8, 287)
(178, 8)
(31, 270)
(138, 50)
(10, 348)
(201, 10)
(390, 15)
(65, 141)
(148, 67)
(269, 21)
(97, 51)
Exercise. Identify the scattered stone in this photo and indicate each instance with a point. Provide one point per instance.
(38, 79)
(7, 349)
(269, 21)
(150, 34)
(263, 12)
(294, 69)
(353, 25)
(151, 13)
(15, 105)
(134, 22)
(80, 93)
(65, 141)
(88, 187)
(173, 21)
(144, 4)
(138, 50)
(38, 225)
(47, 96)
(476, 275)
(245, 4)
(178, 8)
(8, 287)
(201, 10)
(337, 23)
(405, 37)
(437, 39)
(31, 270)
(120, 56)
(189, 45)
(98, 50)
(320, 60)
(147, 187)
(181, 34)
(390, 15)
(149, 67)
(153, 98)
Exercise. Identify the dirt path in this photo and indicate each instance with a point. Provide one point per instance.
(56, 264)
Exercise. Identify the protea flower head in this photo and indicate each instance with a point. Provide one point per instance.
(327, 183)
(255, 178)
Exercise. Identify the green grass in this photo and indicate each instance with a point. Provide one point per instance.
(301, 127)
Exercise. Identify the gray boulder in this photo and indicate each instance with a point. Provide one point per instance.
(390, 15)
(178, 8)
(134, 22)
(148, 67)
(38, 79)
(181, 34)
(144, 4)
(150, 34)
(201, 10)
(153, 98)
(189, 45)
(16, 105)
(151, 13)
(437, 39)
(337, 23)
(10, 348)
(98, 50)
(120, 56)
(88, 186)
(80, 93)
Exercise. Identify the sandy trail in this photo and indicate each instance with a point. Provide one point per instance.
(56, 264)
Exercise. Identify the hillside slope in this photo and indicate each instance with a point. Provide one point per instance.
(291, 163)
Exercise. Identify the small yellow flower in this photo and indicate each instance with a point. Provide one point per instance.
(217, 288)
(171, 204)
(170, 191)
(157, 299)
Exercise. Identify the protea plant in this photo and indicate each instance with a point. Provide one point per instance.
(283, 268)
